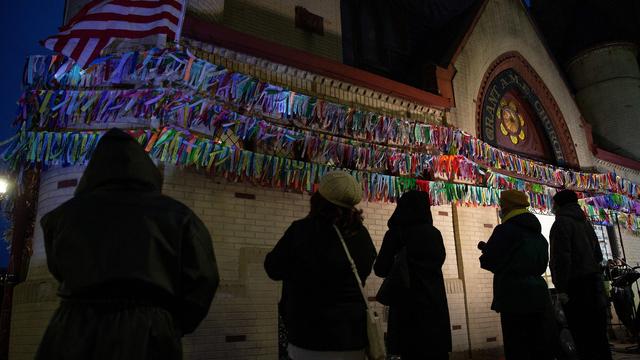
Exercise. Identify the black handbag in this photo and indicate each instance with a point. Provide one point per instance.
(396, 284)
(567, 347)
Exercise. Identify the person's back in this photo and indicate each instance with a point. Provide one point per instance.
(319, 286)
(575, 251)
(517, 255)
(136, 268)
(577, 276)
(419, 324)
(322, 306)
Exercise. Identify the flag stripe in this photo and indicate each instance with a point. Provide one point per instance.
(114, 26)
(100, 21)
(78, 49)
(124, 6)
(132, 34)
(87, 50)
(136, 19)
(50, 43)
(147, 4)
(66, 47)
(96, 52)
(126, 10)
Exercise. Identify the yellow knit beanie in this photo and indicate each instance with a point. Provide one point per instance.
(513, 200)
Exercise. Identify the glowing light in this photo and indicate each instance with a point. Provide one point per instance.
(4, 185)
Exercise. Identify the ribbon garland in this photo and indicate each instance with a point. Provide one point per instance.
(608, 217)
(181, 148)
(182, 91)
(270, 136)
(62, 108)
(164, 66)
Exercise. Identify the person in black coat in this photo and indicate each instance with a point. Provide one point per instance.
(418, 326)
(577, 276)
(322, 307)
(517, 255)
(136, 268)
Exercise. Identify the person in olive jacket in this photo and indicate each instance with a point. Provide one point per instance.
(136, 268)
(418, 326)
(577, 276)
(517, 255)
(321, 304)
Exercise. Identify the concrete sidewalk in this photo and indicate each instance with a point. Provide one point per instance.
(619, 353)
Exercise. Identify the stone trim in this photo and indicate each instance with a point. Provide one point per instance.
(625, 172)
(313, 84)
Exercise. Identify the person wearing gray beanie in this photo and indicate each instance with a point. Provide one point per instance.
(318, 284)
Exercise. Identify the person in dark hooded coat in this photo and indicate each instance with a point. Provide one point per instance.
(136, 268)
(418, 326)
(577, 276)
(517, 255)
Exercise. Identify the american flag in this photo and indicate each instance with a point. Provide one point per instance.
(100, 21)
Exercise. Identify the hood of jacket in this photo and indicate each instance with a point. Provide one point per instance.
(413, 208)
(119, 160)
(572, 210)
(527, 221)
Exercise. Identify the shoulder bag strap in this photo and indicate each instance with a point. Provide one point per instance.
(353, 266)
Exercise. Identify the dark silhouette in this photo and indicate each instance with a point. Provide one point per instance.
(136, 268)
(321, 303)
(517, 255)
(418, 326)
(577, 276)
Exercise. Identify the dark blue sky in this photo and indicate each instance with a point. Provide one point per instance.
(23, 23)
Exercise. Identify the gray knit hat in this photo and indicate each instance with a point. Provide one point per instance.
(341, 189)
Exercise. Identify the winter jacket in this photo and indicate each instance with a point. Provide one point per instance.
(419, 323)
(517, 255)
(322, 307)
(575, 252)
(135, 267)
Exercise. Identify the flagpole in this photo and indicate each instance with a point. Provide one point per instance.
(180, 22)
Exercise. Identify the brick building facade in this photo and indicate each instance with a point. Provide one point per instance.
(242, 323)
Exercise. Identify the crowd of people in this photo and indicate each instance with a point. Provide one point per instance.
(137, 271)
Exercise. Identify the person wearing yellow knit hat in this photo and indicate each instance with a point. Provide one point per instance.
(513, 203)
(517, 255)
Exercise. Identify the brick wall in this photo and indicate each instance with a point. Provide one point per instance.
(242, 323)
(274, 20)
(35, 300)
(473, 225)
(244, 231)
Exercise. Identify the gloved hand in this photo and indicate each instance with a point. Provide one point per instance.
(563, 298)
(481, 245)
